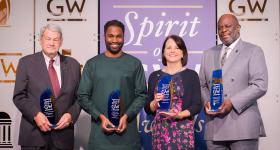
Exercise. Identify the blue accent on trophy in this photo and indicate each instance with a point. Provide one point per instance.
(47, 103)
(165, 86)
(217, 97)
(114, 110)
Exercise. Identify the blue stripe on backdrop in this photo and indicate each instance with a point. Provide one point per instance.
(199, 127)
(147, 25)
(145, 129)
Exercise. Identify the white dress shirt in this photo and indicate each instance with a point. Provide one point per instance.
(56, 66)
(231, 47)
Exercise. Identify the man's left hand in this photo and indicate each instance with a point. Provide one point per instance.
(64, 121)
(123, 124)
(226, 107)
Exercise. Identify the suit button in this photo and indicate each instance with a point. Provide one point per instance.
(225, 95)
(232, 80)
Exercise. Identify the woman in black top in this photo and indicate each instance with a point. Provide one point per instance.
(174, 129)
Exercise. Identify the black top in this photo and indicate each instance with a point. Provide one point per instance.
(191, 87)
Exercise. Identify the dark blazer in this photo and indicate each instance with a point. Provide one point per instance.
(31, 80)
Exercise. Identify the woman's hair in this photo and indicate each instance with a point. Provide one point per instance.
(181, 45)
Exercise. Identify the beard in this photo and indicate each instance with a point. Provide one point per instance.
(114, 50)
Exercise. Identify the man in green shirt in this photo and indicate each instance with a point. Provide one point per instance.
(107, 72)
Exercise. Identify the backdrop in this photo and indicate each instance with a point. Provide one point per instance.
(147, 23)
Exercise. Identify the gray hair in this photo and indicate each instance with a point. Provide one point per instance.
(52, 27)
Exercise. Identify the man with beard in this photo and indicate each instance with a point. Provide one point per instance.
(113, 73)
(237, 125)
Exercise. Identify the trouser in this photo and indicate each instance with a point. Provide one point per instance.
(251, 144)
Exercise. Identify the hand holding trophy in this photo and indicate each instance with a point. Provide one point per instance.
(216, 94)
(114, 110)
(47, 103)
(106, 125)
(165, 98)
(165, 91)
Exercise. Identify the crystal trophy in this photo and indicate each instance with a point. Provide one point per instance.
(216, 95)
(47, 103)
(166, 87)
(114, 109)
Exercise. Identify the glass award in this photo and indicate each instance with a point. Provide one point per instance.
(166, 87)
(114, 109)
(216, 95)
(47, 103)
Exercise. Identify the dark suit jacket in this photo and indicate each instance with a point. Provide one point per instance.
(31, 80)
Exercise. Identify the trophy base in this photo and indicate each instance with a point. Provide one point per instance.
(164, 110)
(53, 126)
(213, 110)
(111, 127)
(164, 106)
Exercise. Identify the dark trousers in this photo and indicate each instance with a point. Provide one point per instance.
(49, 146)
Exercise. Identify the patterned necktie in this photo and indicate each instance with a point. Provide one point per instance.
(224, 57)
(53, 77)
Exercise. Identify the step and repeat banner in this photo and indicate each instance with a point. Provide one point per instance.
(259, 20)
(147, 24)
(79, 22)
(16, 40)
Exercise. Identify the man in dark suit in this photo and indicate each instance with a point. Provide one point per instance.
(35, 74)
(238, 123)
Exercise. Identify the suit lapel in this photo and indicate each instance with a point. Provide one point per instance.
(63, 68)
(217, 60)
(43, 70)
(233, 55)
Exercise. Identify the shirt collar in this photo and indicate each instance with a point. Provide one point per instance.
(56, 59)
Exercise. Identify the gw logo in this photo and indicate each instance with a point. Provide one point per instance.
(57, 8)
(5, 128)
(241, 6)
(7, 67)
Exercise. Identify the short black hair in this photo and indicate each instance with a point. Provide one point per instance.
(181, 45)
(113, 23)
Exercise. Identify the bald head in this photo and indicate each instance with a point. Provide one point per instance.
(229, 16)
(228, 29)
